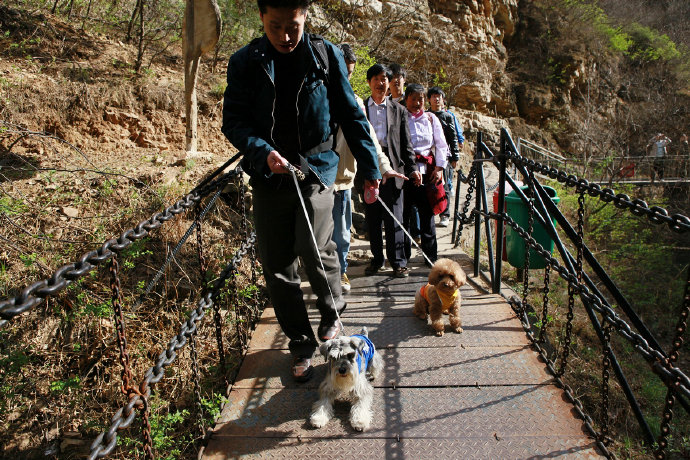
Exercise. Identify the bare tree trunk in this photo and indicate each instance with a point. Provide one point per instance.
(140, 52)
(130, 25)
(88, 11)
(191, 70)
(52, 11)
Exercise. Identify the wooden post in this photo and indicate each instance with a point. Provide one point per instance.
(200, 34)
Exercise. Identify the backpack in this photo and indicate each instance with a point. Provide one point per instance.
(319, 46)
(458, 129)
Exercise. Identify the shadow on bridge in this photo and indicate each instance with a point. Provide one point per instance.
(482, 393)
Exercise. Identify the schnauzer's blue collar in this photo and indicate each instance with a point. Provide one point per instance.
(367, 353)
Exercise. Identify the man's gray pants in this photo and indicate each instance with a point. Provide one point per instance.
(283, 235)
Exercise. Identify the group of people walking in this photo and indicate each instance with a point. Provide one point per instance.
(421, 148)
(289, 106)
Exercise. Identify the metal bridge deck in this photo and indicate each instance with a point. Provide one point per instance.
(479, 394)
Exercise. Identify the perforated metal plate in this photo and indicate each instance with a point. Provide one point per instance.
(406, 367)
(441, 413)
(390, 449)
(404, 331)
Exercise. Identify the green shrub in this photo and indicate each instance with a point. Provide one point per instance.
(359, 76)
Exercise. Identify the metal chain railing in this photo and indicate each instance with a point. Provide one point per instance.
(571, 289)
(655, 358)
(656, 214)
(468, 199)
(128, 389)
(104, 444)
(669, 402)
(192, 338)
(530, 230)
(605, 374)
(196, 381)
(677, 382)
(545, 305)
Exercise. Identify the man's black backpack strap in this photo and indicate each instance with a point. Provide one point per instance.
(319, 47)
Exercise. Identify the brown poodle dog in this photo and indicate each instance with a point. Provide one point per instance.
(441, 295)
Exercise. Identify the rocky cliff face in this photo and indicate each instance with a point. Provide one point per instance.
(460, 43)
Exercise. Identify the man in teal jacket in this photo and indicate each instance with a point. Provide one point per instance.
(286, 93)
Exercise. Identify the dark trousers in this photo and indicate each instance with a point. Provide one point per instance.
(283, 235)
(427, 227)
(375, 215)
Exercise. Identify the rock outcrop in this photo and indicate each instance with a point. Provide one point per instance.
(457, 43)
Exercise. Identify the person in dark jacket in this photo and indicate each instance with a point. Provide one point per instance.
(389, 120)
(286, 92)
(437, 102)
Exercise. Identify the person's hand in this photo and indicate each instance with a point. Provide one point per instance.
(437, 176)
(392, 175)
(276, 163)
(371, 183)
(416, 177)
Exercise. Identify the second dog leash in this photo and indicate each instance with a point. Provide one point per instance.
(294, 174)
(402, 227)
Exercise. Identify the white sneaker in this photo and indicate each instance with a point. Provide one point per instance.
(345, 283)
(444, 221)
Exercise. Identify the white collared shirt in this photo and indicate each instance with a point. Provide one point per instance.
(426, 132)
(379, 120)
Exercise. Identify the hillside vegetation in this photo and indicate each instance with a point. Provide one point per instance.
(92, 142)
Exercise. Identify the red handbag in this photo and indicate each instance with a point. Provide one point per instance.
(436, 195)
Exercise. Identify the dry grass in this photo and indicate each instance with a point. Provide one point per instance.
(88, 149)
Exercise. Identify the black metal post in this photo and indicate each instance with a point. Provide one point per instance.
(478, 220)
(487, 223)
(500, 224)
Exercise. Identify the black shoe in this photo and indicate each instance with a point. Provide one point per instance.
(401, 272)
(329, 329)
(372, 269)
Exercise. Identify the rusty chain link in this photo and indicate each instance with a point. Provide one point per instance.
(669, 402)
(128, 389)
(197, 385)
(200, 246)
(104, 444)
(545, 306)
(35, 294)
(605, 375)
(530, 230)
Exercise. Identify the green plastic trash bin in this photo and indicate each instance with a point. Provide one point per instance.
(515, 246)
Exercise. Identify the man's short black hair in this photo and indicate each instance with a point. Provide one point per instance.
(347, 52)
(413, 88)
(435, 90)
(377, 69)
(396, 69)
(301, 4)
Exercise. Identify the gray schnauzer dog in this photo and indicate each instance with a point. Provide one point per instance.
(352, 363)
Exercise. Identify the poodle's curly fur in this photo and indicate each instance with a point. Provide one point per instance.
(446, 277)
